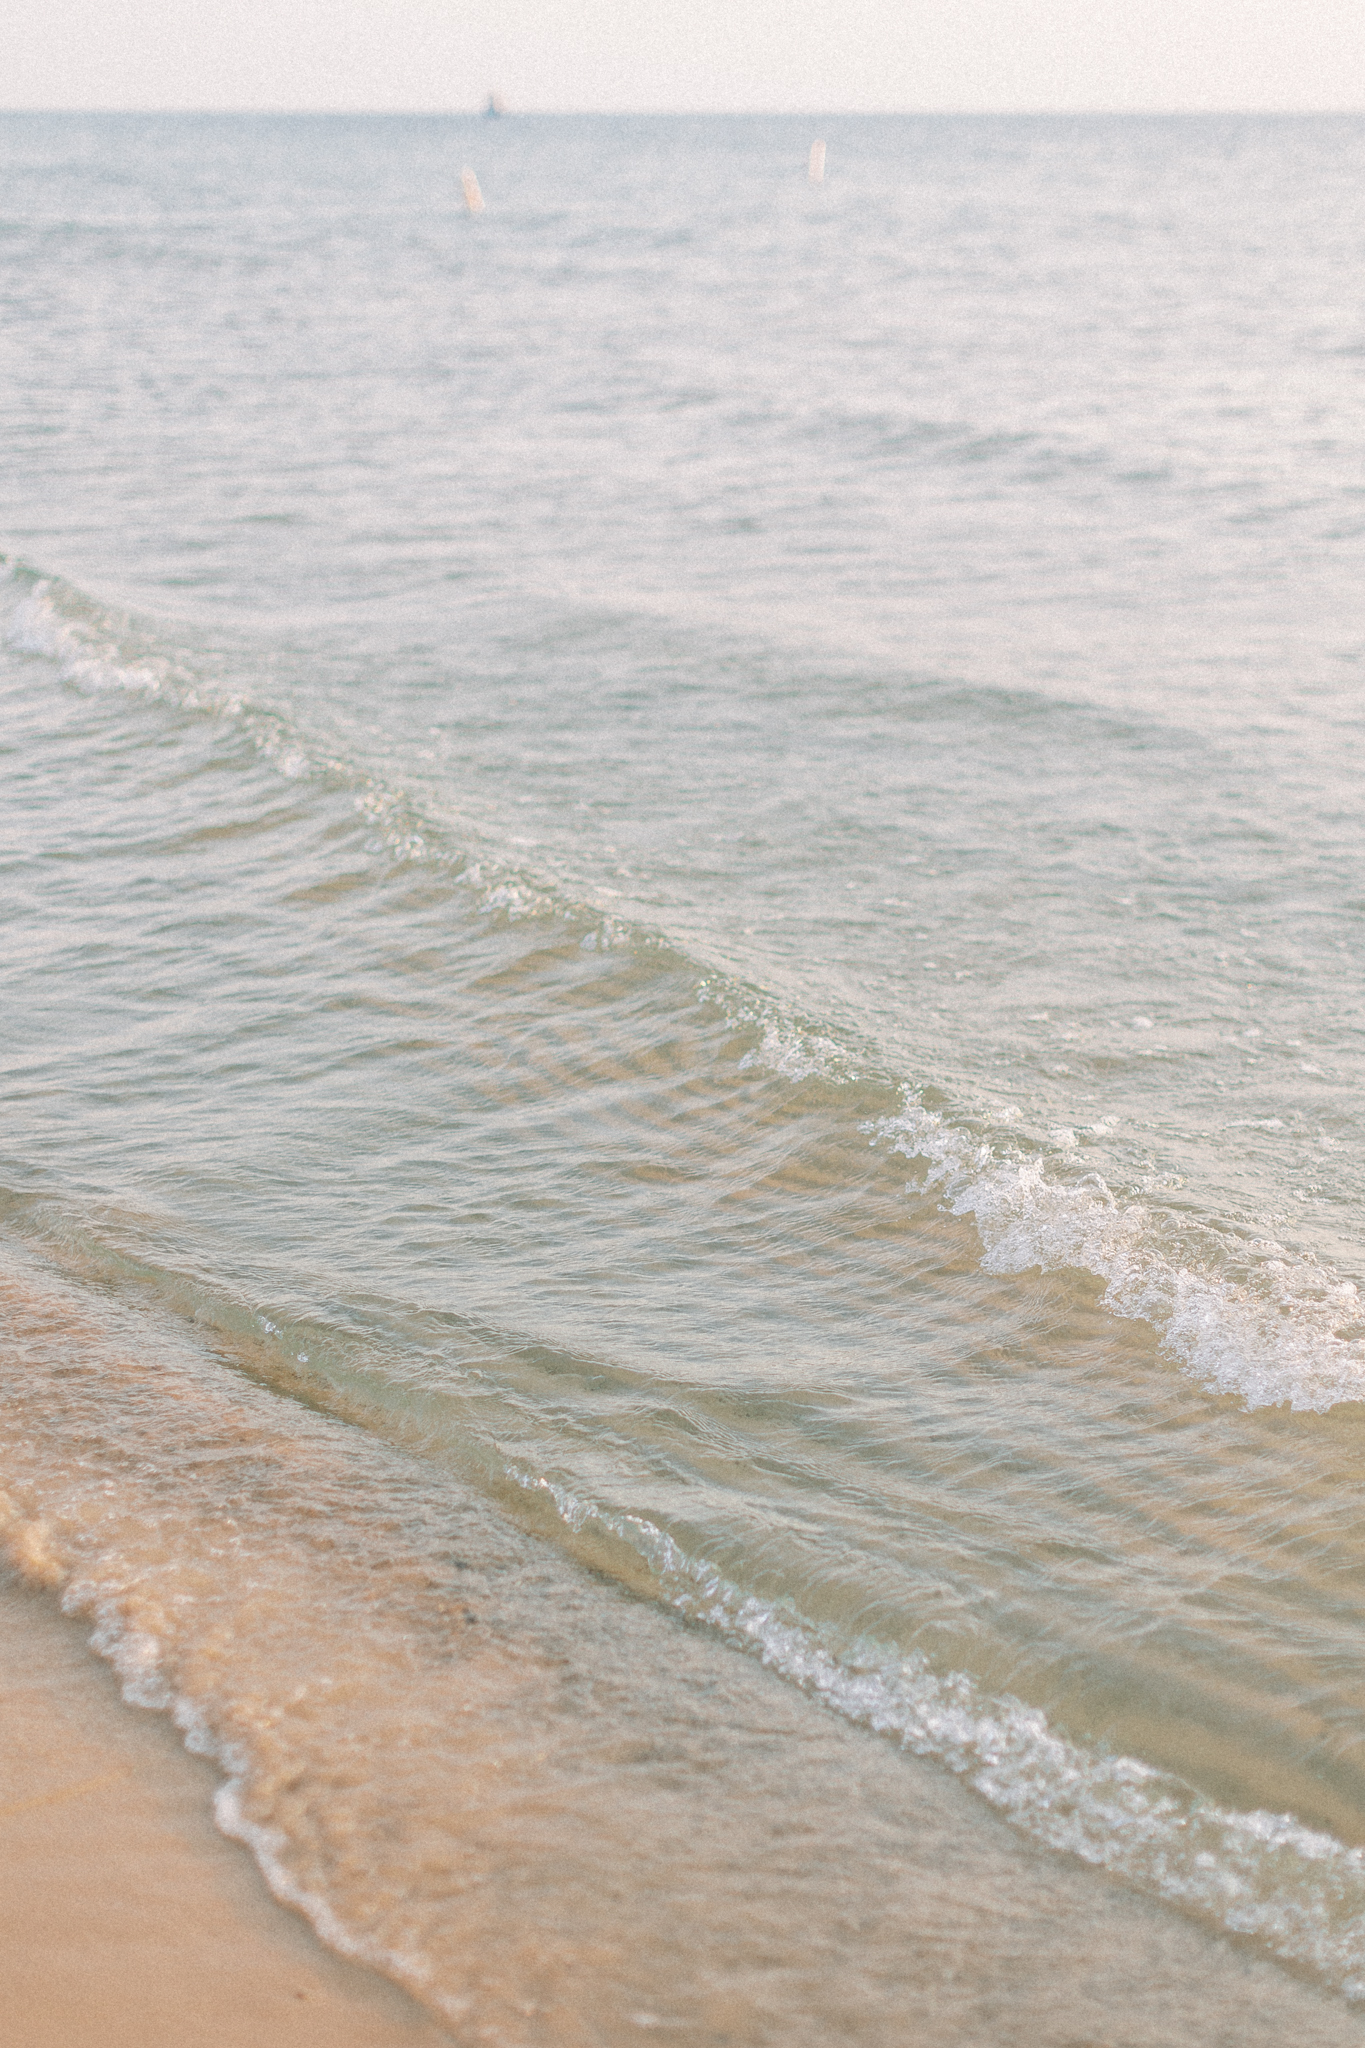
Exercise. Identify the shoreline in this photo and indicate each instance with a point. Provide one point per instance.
(130, 1921)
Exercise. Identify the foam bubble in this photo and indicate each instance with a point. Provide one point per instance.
(92, 662)
(787, 1049)
(91, 650)
(1297, 1889)
(1276, 1339)
(788, 1046)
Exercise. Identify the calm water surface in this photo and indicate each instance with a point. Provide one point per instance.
(681, 1182)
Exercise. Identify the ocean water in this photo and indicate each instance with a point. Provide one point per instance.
(681, 1183)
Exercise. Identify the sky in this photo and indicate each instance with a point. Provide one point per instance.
(687, 55)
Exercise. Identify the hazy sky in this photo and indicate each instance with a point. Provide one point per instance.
(686, 54)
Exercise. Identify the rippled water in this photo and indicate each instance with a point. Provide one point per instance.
(681, 1176)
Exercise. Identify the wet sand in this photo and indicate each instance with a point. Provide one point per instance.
(128, 1920)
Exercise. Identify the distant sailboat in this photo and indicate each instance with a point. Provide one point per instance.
(817, 163)
(494, 107)
(473, 197)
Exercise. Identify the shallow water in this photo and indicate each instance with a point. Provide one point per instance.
(683, 911)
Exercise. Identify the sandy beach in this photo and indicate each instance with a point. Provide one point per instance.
(129, 1921)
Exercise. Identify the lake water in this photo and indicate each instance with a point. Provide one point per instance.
(681, 1188)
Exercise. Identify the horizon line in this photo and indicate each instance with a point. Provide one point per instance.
(480, 112)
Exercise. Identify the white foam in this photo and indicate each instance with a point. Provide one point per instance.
(87, 655)
(138, 1657)
(1299, 1890)
(36, 626)
(788, 1047)
(796, 1053)
(1272, 1340)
